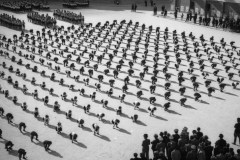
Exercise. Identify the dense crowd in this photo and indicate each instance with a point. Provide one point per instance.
(23, 5)
(225, 23)
(221, 22)
(76, 3)
(69, 16)
(11, 22)
(187, 146)
(41, 19)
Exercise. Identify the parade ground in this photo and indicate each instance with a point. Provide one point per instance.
(214, 115)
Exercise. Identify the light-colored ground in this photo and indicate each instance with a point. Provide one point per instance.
(219, 116)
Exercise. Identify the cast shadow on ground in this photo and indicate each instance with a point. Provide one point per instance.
(140, 123)
(80, 144)
(125, 115)
(218, 97)
(104, 138)
(160, 118)
(204, 102)
(86, 129)
(143, 110)
(128, 103)
(231, 94)
(173, 112)
(124, 131)
(26, 133)
(158, 105)
(13, 153)
(189, 106)
(55, 153)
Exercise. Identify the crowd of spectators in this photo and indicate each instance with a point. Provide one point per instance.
(225, 23)
(23, 5)
(11, 22)
(76, 3)
(187, 146)
(69, 16)
(41, 19)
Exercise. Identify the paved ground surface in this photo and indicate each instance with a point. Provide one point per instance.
(214, 115)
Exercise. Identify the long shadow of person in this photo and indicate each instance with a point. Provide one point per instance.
(39, 143)
(160, 118)
(55, 153)
(173, 112)
(2, 140)
(26, 133)
(87, 129)
(189, 106)
(104, 138)
(141, 123)
(13, 153)
(51, 126)
(124, 131)
(125, 115)
(143, 110)
(80, 144)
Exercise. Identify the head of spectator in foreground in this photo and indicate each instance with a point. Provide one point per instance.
(145, 136)
(135, 155)
(221, 136)
(176, 131)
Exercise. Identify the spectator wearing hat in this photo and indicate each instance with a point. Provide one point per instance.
(192, 155)
(170, 147)
(135, 155)
(145, 146)
(154, 143)
(176, 136)
(183, 140)
(208, 150)
(185, 134)
(237, 131)
(194, 140)
(219, 145)
(199, 133)
(161, 145)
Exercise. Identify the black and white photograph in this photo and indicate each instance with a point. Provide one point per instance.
(119, 79)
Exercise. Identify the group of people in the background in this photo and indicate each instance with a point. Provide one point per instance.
(69, 16)
(41, 19)
(188, 146)
(11, 22)
(23, 5)
(221, 22)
